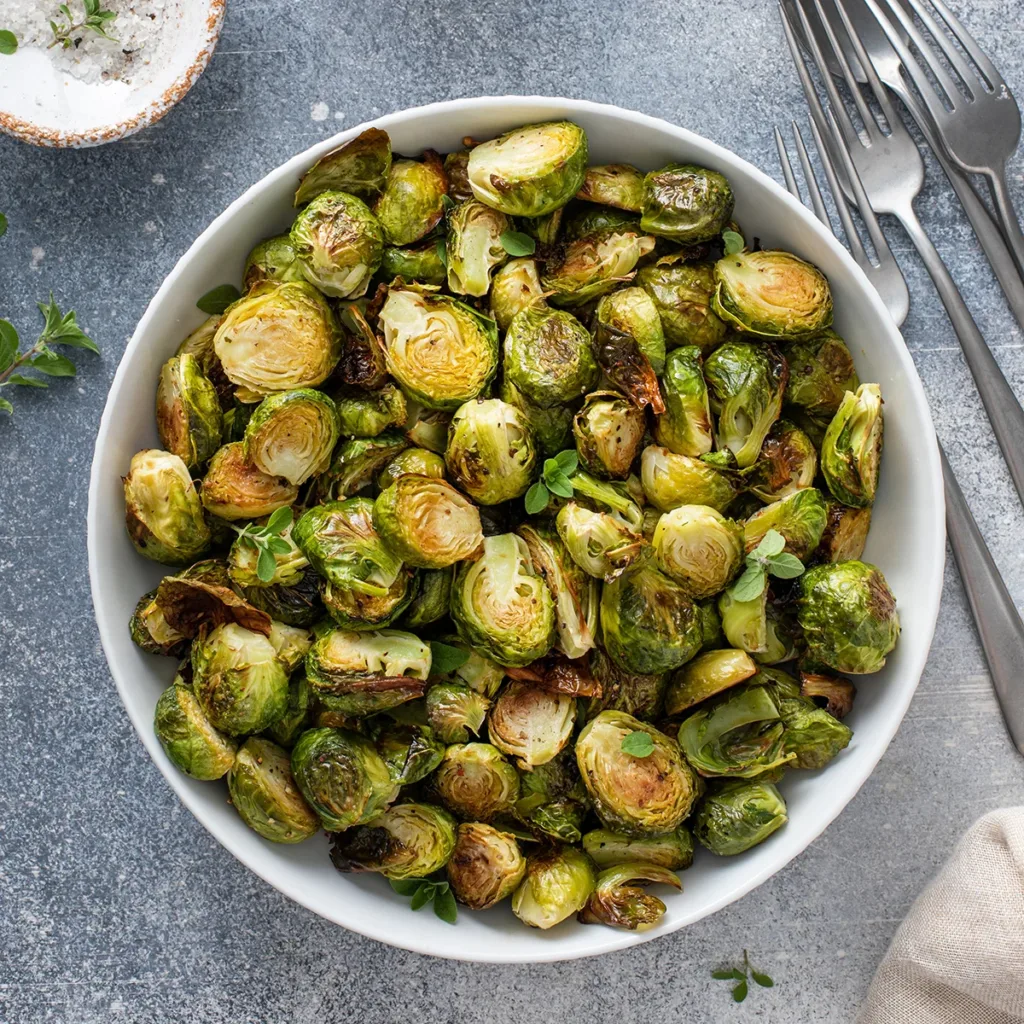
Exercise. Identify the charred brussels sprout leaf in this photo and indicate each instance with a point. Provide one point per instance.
(812, 733)
(852, 448)
(188, 413)
(617, 903)
(671, 480)
(370, 413)
(618, 185)
(632, 311)
(558, 883)
(411, 752)
(685, 427)
(531, 724)
(475, 782)
(356, 462)
(234, 488)
(681, 290)
(673, 851)
(456, 167)
(686, 203)
(292, 434)
(272, 260)
(412, 202)
(821, 371)
(486, 865)
(297, 604)
(626, 366)
(609, 432)
(707, 675)
(635, 693)
(189, 740)
(515, 287)
(594, 265)
(474, 247)
(737, 815)
(360, 166)
(151, 632)
(699, 548)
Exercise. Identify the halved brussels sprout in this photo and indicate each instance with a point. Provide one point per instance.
(501, 606)
(609, 432)
(745, 623)
(633, 311)
(637, 796)
(412, 203)
(673, 851)
(360, 166)
(772, 294)
(848, 615)
(427, 428)
(544, 230)
(264, 793)
(338, 244)
(575, 594)
(710, 624)
(515, 287)
(618, 185)
(475, 782)
(799, 517)
(685, 427)
(342, 777)
(188, 414)
(363, 673)
(290, 563)
(602, 544)
(291, 644)
(273, 259)
(455, 712)
(292, 434)
(279, 337)
(812, 734)
(529, 171)
(671, 480)
(420, 263)
(548, 356)
(410, 751)
(737, 815)
(699, 548)
(852, 448)
(356, 462)
(620, 905)
(551, 428)
(286, 730)
(686, 203)
(162, 510)
(821, 371)
(845, 533)
(440, 350)
(739, 733)
(490, 453)
(594, 265)
(648, 623)
(200, 344)
(411, 462)
(636, 693)
(681, 289)
(553, 800)
(430, 603)
(369, 413)
(531, 724)
(410, 840)
(787, 463)
(485, 866)
(353, 609)
(234, 488)
(340, 542)
(188, 738)
(782, 639)
(746, 382)
(558, 883)
(837, 692)
(152, 633)
(474, 247)
(239, 680)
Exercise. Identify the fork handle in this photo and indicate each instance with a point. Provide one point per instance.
(999, 624)
(1004, 411)
(1007, 215)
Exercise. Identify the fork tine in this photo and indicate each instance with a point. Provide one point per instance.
(817, 200)
(967, 41)
(787, 167)
(881, 93)
(810, 93)
(968, 75)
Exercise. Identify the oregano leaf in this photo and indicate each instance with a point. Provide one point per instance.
(444, 658)
(734, 242)
(537, 498)
(638, 743)
(785, 566)
(216, 300)
(515, 243)
(750, 585)
(8, 44)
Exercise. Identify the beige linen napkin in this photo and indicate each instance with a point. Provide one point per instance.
(958, 958)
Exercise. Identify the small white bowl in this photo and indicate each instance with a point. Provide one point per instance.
(906, 541)
(42, 104)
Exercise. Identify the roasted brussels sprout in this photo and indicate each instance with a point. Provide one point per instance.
(420, 263)
(274, 259)
(200, 344)
(699, 548)
(529, 171)
(279, 337)
(362, 359)
(475, 782)
(821, 371)
(609, 432)
(456, 167)
(531, 724)
(353, 609)
(852, 448)
(685, 427)
(648, 623)
(291, 644)
(409, 840)
(710, 624)
(430, 603)
(162, 510)
(681, 290)
(782, 639)
(548, 356)
(411, 462)
(477, 672)
(745, 623)
(633, 311)
(360, 166)
(440, 350)
(356, 462)
(585, 220)
(515, 287)
(671, 480)
(152, 633)
(239, 680)
(553, 800)
(264, 793)
(738, 814)
(342, 777)
(799, 517)
(845, 533)
(292, 434)
(369, 413)
(410, 751)
(491, 454)
(485, 866)
(558, 883)
(501, 607)
(686, 203)
(614, 902)
(234, 488)
(412, 202)
(474, 247)
(848, 615)
(338, 244)
(602, 544)
(188, 414)
(635, 693)
(544, 230)
(286, 730)
(812, 734)
(551, 428)
(673, 851)
(772, 294)
(746, 382)
(202, 597)
(837, 692)
(618, 185)
(455, 712)
(787, 463)
(297, 604)
(188, 738)
(594, 265)
(647, 795)
(290, 563)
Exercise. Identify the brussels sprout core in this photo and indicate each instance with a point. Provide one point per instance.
(475, 782)
(699, 548)
(474, 247)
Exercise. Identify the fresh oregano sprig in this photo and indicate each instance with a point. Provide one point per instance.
(517, 243)
(733, 242)
(428, 890)
(445, 659)
(769, 557)
(268, 541)
(216, 300)
(741, 976)
(638, 743)
(8, 42)
(95, 20)
(555, 478)
(58, 329)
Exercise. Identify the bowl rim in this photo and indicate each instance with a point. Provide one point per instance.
(55, 138)
(932, 517)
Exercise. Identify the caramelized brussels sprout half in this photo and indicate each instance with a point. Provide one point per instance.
(427, 428)
(812, 734)
(551, 428)
(474, 247)
(558, 883)
(273, 259)
(671, 480)
(440, 350)
(292, 434)
(194, 746)
(455, 712)
(633, 311)
(234, 488)
(162, 510)
(152, 633)
(553, 800)
(673, 851)
(475, 782)
(531, 724)
(594, 265)
(638, 796)
(636, 693)
(410, 751)
(845, 533)
(848, 615)
(360, 166)
(686, 203)
(356, 462)
(609, 432)
(681, 289)
(616, 903)
(420, 263)
(353, 609)
(264, 793)
(699, 548)
(707, 675)
(821, 371)
(369, 413)
(548, 356)
(530, 171)
(515, 287)
(188, 414)
(799, 517)
(430, 603)
(477, 672)
(411, 462)
(852, 449)
(685, 426)
(602, 544)
(287, 729)
(737, 815)
(788, 462)
(412, 203)
(745, 623)
(618, 185)
(485, 866)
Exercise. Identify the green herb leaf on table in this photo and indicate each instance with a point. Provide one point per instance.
(730, 974)
(444, 658)
(8, 44)
(3, 225)
(26, 382)
(6, 406)
(216, 300)
(638, 743)
(734, 242)
(764, 980)
(739, 993)
(515, 243)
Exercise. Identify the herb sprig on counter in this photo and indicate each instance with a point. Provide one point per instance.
(741, 977)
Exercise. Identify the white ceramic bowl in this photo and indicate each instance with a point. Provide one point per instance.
(907, 538)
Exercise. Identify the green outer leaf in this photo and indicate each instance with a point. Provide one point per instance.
(537, 498)
(515, 243)
(8, 44)
(6, 407)
(772, 543)
(27, 382)
(785, 566)
(444, 658)
(405, 886)
(216, 300)
(444, 906)
(764, 980)
(53, 364)
(422, 896)
(733, 242)
(3, 217)
(8, 344)
(638, 743)
(730, 974)
(266, 565)
(750, 584)
(739, 993)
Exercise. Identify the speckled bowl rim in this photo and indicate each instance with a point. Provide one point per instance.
(53, 138)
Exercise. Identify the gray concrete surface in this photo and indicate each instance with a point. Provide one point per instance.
(115, 905)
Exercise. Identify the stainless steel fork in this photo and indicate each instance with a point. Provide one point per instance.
(892, 172)
(999, 625)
